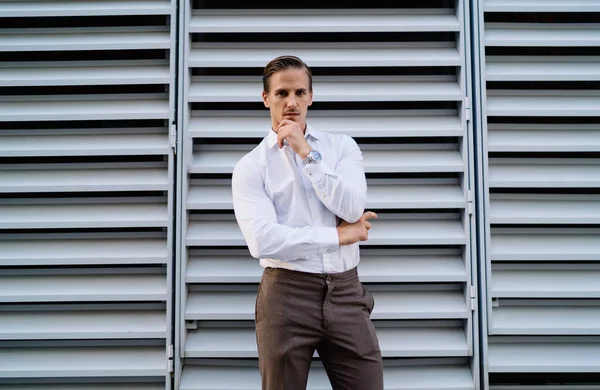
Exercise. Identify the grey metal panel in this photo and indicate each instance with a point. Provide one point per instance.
(82, 362)
(566, 318)
(542, 34)
(60, 108)
(82, 288)
(82, 144)
(87, 386)
(78, 251)
(377, 158)
(544, 209)
(70, 39)
(568, 355)
(57, 325)
(538, 282)
(220, 232)
(549, 245)
(323, 20)
(543, 102)
(251, 54)
(440, 377)
(30, 216)
(83, 180)
(542, 68)
(231, 305)
(532, 173)
(331, 88)
(426, 208)
(84, 8)
(541, 6)
(78, 74)
(523, 137)
(357, 123)
(394, 342)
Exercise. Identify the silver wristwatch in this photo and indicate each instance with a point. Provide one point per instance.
(314, 157)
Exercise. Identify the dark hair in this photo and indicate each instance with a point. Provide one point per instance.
(282, 63)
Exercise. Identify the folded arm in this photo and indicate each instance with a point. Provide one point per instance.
(257, 218)
(342, 190)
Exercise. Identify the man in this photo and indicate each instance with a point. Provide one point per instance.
(299, 198)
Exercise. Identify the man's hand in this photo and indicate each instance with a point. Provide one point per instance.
(293, 133)
(349, 233)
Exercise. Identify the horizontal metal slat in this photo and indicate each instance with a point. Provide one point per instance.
(384, 232)
(82, 362)
(56, 325)
(324, 54)
(551, 357)
(102, 251)
(86, 386)
(524, 245)
(541, 6)
(322, 20)
(439, 377)
(543, 138)
(394, 342)
(394, 195)
(544, 209)
(330, 89)
(83, 8)
(83, 180)
(84, 145)
(546, 320)
(54, 216)
(380, 123)
(542, 34)
(385, 158)
(82, 288)
(372, 268)
(543, 103)
(61, 108)
(541, 283)
(73, 39)
(561, 173)
(413, 305)
(542, 68)
(40, 75)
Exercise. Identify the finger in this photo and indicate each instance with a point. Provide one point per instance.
(369, 215)
(368, 225)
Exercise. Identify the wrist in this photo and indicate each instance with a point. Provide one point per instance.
(341, 238)
(304, 152)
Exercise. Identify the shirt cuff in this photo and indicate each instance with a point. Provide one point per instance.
(315, 172)
(327, 239)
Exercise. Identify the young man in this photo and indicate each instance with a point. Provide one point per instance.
(299, 198)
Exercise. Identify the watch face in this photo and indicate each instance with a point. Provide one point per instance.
(316, 155)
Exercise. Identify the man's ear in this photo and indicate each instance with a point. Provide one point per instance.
(265, 98)
(310, 94)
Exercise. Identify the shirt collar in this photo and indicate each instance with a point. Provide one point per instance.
(272, 137)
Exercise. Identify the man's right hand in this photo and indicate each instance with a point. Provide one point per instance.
(349, 233)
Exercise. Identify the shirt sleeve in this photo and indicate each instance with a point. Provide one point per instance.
(257, 219)
(343, 190)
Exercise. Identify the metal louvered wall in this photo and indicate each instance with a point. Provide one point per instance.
(86, 178)
(392, 78)
(541, 120)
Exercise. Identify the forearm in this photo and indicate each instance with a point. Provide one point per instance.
(266, 239)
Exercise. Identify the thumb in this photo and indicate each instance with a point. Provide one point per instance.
(368, 215)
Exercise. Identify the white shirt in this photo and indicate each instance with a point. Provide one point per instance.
(288, 212)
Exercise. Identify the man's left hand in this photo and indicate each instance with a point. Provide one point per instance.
(293, 133)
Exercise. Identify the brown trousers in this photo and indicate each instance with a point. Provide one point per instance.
(298, 313)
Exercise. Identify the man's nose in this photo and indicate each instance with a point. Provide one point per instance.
(291, 101)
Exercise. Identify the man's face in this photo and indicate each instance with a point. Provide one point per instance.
(288, 97)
